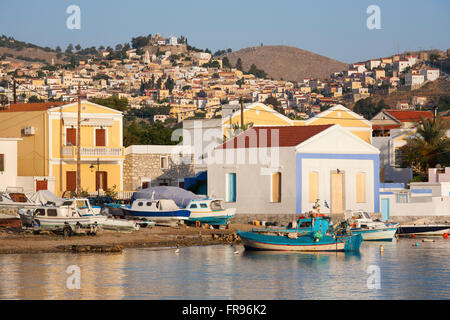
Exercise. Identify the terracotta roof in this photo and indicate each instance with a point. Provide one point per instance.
(409, 115)
(22, 107)
(288, 136)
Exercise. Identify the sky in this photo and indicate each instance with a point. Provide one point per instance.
(333, 28)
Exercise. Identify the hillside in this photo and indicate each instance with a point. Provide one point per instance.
(432, 91)
(286, 62)
(31, 55)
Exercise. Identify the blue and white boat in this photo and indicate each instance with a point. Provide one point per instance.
(312, 234)
(210, 211)
(160, 211)
(372, 230)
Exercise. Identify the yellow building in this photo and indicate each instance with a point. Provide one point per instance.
(343, 116)
(262, 115)
(256, 113)
(48, 146)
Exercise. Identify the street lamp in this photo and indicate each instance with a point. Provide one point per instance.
(97, 178)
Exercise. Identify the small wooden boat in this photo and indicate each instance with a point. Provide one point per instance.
(210, 211)
(312, 234)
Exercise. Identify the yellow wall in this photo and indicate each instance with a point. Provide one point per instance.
(87, 176)
(32, 151)
(258, 116)
(344, 119)
(340, 117)
(87, 136)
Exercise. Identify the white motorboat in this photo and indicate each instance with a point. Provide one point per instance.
(14, 199)
(372, 230)
(72, 212)
(210, 211)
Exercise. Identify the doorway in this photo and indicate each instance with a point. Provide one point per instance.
(337, 192)
(384, 209)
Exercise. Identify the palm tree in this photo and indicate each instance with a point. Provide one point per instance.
(428, 146)
(236, 130)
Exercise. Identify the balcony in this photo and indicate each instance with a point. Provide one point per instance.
(91, 152)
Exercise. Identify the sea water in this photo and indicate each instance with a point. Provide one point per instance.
(402, 270)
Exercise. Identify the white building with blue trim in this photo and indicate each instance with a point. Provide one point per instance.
(285, 169)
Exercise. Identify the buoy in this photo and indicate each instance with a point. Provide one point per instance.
(417, 244)
(445, 236)
(413, 236)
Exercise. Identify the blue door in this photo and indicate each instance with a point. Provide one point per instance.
(384, 209)
(231, 192)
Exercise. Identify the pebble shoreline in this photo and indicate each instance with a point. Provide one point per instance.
(19, 241)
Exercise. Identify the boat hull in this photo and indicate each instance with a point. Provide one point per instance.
(384, 234)
(423, 230)
(59, 223)
(255, 241)
(212, 217)
(11, 222)
(159, 215)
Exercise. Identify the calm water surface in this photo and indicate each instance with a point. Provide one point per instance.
(215, 272)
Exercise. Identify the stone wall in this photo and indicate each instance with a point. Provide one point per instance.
(138, 166)
(284, 219)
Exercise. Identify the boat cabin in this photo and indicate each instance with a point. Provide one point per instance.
(321, 224)
(206, 205)
(154, 205)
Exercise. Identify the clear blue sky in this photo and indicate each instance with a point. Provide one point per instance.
(336, 29)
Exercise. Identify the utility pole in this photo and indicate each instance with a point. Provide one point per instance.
(242, 113)
(78, 190)
(14, 91)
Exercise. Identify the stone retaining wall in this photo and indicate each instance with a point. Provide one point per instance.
(137, 166)
(286, 218)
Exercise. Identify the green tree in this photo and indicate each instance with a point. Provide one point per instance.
(368, 108)
(226, 63)
(113, 102)
(259, 73)
(428, 146)
(239, 64)
(69, 48)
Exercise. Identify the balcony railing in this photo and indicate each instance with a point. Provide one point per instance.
(71, 151)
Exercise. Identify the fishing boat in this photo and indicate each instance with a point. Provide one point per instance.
(313, 234)
(210, 211)
(372, 230)
(161, 211)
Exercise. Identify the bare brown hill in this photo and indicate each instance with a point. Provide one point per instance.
(288, 63)
(32, 55)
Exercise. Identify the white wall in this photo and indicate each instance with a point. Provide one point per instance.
(253, 186)
(349, 168)
(8, 177)
(433, 206)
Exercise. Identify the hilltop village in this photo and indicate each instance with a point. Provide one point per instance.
(134, 97)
